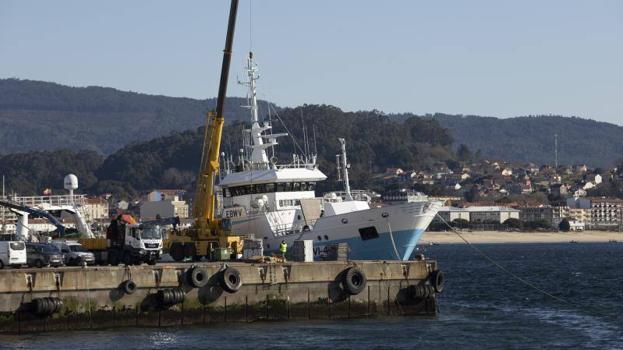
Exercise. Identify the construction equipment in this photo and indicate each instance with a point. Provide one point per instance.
(208, 231)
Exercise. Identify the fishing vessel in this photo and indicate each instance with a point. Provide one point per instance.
(277, 202)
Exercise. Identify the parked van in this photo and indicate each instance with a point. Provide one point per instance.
(74, 253)
(43, 254)
(12, 253)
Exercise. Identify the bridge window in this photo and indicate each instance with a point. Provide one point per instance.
(268, 188)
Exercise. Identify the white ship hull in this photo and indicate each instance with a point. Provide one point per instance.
(390, 232)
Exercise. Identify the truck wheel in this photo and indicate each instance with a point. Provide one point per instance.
(190, 250)
(38, 263)
(126, 258)
(152, 262)
(177, 251)
(1, 265)
(113, 258)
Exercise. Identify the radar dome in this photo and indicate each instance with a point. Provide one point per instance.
(71, 182)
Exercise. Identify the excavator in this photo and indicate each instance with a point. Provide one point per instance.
(208, 231)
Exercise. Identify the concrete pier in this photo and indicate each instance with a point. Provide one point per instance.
(92, 297)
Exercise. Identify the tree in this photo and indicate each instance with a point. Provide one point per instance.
(564, 225)
(463, 152)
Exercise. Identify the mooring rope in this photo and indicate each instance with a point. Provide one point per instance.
(498, 265)
(391, 236)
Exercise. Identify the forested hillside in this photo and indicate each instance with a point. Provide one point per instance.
(37, 116)
(374, 142)
(531, 139)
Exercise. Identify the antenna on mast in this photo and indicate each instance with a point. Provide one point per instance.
(315, 146)
(345, 166)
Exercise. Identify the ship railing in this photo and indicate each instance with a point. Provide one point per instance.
(358, 195)
(7, 216)
(31, 201)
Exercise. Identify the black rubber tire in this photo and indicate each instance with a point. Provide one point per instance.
(128, 287)
(126, 258)
(57, 304)
(177, 251)
(179, 295)
(38, 263)
(162, 297)
(437, 280)
(354, 281)
(230, 280)
(190, 250)
(198, 277)
(39, 306)
(169, 297)
(152, 262)
(113, 258)
(1, 265)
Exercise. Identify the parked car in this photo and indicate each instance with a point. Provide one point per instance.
(12, 253)
(43, 254)
(74, 253)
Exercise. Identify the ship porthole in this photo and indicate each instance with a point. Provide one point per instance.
(385, 214)
(345, 221)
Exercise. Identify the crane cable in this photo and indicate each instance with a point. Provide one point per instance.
(498, 265)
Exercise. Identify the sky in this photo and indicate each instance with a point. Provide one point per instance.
(484, 57)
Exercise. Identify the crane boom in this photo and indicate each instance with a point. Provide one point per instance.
(205, 197)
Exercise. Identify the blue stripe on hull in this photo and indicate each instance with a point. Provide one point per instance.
(381, 248)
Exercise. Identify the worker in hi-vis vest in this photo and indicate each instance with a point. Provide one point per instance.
(283, 247)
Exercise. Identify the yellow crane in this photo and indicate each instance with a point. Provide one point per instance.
(208, 231)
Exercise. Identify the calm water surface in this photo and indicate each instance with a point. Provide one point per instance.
(481, 308)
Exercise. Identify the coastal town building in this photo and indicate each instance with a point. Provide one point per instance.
(164, 204)
(95, 209)
(450, 214)
(492, 214)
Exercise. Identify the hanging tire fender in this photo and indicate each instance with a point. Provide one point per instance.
(230, 280)
(197, 276)
(128, 287)
(354, 280)
(436, 279)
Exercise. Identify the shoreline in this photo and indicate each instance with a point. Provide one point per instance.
(493, 237)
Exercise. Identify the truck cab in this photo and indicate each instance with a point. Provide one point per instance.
(132, 243)
(142, 243)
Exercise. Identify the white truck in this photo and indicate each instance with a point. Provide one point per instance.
(127, 242)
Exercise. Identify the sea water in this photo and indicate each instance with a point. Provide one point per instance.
(481, 308)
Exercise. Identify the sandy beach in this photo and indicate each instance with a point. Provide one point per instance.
(521, 237)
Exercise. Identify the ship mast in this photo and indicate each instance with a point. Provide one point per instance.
(258, 158)
(344, 167)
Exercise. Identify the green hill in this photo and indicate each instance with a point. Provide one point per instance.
(37, 116)
(531, 139)
(374, 142)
